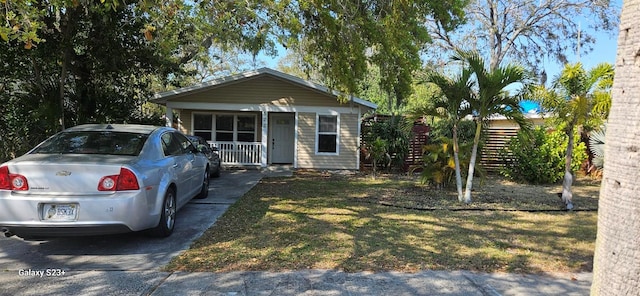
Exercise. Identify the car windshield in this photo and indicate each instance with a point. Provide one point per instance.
(93, 142)
(195, 140)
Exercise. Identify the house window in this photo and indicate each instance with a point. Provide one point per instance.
(225, 127)
(203, 125)
(327, 134)
(246, 129)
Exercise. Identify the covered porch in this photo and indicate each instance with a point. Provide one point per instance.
(243, 136)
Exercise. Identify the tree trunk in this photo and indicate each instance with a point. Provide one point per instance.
(472, 162)
(567, 195)
(456, 160)
(617, 254)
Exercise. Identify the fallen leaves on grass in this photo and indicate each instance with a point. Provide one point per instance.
(337, 222)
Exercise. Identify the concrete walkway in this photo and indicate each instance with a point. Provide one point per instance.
(329, 282)
(305, 282)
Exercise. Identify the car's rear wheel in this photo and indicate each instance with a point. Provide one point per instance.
(204, 191)
(167, 216)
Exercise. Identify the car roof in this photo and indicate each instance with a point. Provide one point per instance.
(129, 128)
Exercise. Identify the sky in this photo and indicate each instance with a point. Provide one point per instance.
(604, 51)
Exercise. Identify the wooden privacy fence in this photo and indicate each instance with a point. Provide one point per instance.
(496, 140)
(420, 137)
(497, 137)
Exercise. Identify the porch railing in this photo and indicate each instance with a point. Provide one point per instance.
(240, 153)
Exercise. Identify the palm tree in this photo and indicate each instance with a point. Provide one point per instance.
(577, 98)
(491, 98)
(451, 105)
(617, 260)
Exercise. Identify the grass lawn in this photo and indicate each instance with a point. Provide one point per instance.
(357, 223)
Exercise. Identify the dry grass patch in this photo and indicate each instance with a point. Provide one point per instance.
(336, 222)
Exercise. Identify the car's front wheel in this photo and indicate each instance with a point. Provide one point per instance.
(167, 216)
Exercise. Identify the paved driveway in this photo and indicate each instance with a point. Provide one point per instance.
(132, 254)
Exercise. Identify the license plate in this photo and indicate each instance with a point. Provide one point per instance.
(60, 212)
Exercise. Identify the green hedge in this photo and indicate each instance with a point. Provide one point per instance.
(539, 157)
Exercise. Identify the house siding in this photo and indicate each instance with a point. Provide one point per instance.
(262, 90)
(348, 144)
(185, 121)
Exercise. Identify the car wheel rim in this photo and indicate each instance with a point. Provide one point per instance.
(170, 211)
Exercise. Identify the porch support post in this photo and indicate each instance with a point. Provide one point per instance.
(359, 137)
(169, 117)
(265, 138)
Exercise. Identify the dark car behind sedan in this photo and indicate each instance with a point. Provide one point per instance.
(211, 153)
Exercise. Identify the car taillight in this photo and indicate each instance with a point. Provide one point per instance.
(10, 181)
(126, 180)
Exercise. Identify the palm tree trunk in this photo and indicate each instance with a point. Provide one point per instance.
(567, 195)
(472, 162)
(456, 160)
(617, 253)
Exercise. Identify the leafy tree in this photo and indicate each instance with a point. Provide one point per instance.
(577, 98)
(94, 66)
(419, 98)
(528, 31)
(343, 39)
(490, 98)
(98, 61)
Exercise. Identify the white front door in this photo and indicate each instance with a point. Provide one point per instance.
(281, 138)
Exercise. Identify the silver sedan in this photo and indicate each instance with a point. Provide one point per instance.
(101, 179)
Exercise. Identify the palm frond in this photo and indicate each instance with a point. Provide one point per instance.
(596, 146)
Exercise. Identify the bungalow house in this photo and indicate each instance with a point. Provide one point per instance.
(264, 117)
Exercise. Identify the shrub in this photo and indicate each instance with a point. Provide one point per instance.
(438, 165)
(539, 157)
(444, 128)
(395, 132)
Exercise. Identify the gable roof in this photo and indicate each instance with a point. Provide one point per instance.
(163, 97)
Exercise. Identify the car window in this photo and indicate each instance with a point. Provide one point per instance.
(170, 144)
(93, 142)
(185, 143)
